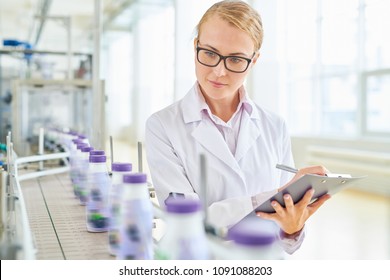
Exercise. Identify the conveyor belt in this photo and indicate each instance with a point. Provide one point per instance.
(57, 221)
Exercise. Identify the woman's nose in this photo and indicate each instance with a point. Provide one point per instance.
(220, 69)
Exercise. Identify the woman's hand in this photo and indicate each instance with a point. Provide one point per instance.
(292, 217)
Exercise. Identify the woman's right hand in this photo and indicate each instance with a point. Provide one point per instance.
(317, 169)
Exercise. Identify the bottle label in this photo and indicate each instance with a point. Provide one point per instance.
(75, 172)
(97, 204)
(114, 211)
(136, 241)
(83, 183)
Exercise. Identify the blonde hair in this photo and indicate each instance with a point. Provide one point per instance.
(239, 14)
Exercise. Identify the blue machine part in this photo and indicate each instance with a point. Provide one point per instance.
(17, 43)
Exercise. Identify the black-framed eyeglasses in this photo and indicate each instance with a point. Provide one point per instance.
(236, 64)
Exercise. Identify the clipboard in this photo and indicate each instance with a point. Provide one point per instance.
(321, 184)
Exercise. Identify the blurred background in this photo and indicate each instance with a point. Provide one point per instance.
(103, 67)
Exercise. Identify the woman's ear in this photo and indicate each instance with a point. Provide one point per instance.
(195, 42)
(257, 55)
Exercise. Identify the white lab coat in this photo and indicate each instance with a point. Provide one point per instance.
(177, 135)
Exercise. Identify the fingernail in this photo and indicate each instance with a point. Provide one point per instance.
(273, 203)
(286, 196)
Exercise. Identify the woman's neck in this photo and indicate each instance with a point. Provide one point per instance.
(225, 108)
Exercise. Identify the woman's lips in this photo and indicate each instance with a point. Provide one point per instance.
(217, 84)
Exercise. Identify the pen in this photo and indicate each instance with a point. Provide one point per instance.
(294, 170)
(287, 168)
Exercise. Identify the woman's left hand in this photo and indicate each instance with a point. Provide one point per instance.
(293, 217)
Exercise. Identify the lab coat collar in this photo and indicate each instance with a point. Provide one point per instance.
(193, 104)
(212, 140)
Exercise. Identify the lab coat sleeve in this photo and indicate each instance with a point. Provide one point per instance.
(290, 245)
(220, 214)
(226, 213)
(167, 171)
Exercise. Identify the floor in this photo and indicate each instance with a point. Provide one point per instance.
(352, 225)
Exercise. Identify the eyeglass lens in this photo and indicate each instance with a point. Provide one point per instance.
(232, 63)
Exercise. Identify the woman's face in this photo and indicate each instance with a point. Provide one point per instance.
(218, 83)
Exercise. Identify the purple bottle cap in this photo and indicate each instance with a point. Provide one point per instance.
(86, 149)
(97, 158)
(134, 178)
(77, 140)
(81, 145)
(182, 205)
(252, 232)
(121, 166)
(82, 136)
(97, 152)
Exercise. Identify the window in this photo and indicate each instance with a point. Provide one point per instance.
(377, 103)
(337, 67)
(140, 67)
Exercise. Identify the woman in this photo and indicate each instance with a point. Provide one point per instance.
(241, 141)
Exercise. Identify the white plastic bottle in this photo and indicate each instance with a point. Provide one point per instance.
(72, 159)
(77, 168)
(118, 170)
(83, 175)
(98, 187)
(254, 239)
(185, 237)
(136, 222)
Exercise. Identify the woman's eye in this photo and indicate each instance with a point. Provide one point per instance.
(210, 54)
(235, 60)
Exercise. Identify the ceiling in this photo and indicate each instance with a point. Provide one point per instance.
(21, 20)
(18, 20)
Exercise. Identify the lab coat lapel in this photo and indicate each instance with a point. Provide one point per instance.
(249, 132)
(205, 132)
(211, 139)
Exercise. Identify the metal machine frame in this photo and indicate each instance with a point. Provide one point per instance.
(88, 116)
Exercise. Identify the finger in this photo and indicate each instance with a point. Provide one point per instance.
(288, 201)
(317, 169)
(266, 216)
(278, 208)
(272, 216)
(306, 198)
(269, 216)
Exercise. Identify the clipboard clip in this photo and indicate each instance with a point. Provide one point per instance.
(335, 175)
(294, 170)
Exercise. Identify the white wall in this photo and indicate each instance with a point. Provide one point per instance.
(187, 16)
(301, 143)
(263, 83)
